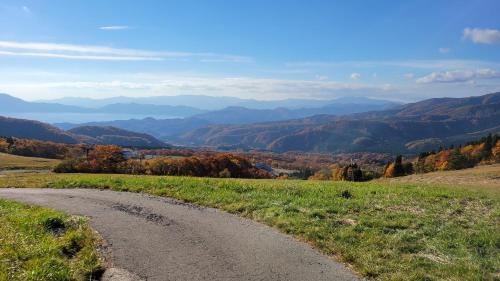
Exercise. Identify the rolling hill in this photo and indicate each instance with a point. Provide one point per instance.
(410, 128)
(29, 129)
(112, 135)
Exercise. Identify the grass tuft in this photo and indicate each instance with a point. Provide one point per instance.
(33, 247)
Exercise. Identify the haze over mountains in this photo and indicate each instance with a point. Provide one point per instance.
(215, 103)
(217, 110)
(372, 126)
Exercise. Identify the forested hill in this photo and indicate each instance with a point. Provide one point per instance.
(411, 128)
(29, 129)
(112, 135)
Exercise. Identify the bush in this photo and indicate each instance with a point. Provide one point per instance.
(67, 166)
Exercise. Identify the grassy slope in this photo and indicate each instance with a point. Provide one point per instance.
(15, 162)
(43, 244)
(385, 231)
(485, 177)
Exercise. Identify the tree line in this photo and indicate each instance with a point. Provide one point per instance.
(485, 150)
(38, 148)
(110, 159)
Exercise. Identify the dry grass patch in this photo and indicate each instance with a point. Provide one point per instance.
(15, 162)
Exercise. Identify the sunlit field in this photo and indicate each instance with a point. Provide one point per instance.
(387, 231)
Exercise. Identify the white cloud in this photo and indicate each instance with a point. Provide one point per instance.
(482, 36)
(114, 27)
(244, 87)
(444, 50)
(355, 76)
(458, 76)
(92, 52)
(409, 75)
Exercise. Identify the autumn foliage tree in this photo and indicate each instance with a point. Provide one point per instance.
(398, 168)
(37, 148)
(485, 150)
(110, 159)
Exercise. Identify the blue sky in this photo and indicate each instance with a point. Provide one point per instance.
(400, 50)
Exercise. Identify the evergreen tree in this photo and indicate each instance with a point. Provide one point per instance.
(398, 166)
(457, 161)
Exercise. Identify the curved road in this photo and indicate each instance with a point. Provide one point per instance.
(164, 239)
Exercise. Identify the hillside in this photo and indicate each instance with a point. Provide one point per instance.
(112, 135)
(410, 128)
(487, 177)
(29, 129)
(161, 128)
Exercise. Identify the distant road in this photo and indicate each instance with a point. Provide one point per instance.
(163, 239)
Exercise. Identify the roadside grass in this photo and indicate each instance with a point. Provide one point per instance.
(44, 244)
(15, 162)
(384, 231)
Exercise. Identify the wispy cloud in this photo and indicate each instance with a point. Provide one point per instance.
(77, 57)
(92, 52)
(482, 36)
(416, 64)
(458, 76)
(115, 27)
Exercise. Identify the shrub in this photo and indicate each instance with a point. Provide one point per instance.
(67, 166)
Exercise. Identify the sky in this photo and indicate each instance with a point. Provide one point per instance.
(268, 50)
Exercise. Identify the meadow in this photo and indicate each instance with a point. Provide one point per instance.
(44, 244)
(15, 162)
(382, 230)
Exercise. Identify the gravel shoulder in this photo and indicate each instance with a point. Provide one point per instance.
(164, 239)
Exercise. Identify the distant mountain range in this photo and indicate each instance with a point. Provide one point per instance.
(238, 111)
(11, 105)
(29, 129)
(209, 103)
(411, 128)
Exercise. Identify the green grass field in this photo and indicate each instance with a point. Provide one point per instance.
(15, 162)
(385, 231)
(43, 244)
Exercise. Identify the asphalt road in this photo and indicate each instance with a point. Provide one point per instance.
(164, 239)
